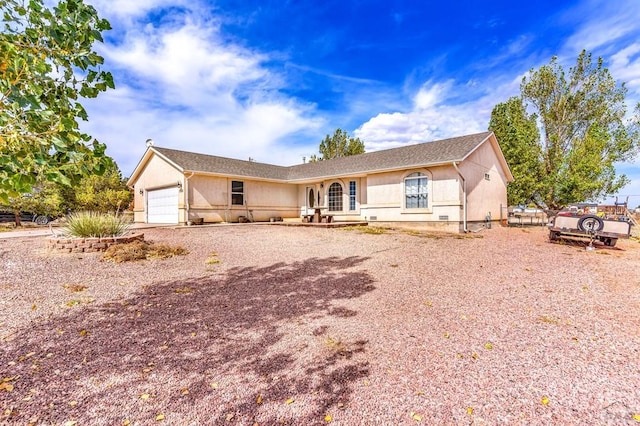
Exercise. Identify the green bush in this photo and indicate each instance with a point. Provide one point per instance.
(93, 224)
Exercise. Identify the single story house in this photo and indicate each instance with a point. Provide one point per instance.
(448, 183)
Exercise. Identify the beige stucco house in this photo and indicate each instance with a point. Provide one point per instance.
(449, 183)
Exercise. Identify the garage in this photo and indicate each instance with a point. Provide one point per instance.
(162, 205)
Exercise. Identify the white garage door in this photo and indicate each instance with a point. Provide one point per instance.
(162, 205)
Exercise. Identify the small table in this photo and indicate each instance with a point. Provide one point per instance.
(317, 214)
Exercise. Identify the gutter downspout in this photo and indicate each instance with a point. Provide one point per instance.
(186, 195)
(464, 199)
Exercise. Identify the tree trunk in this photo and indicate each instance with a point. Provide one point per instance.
(17, 217)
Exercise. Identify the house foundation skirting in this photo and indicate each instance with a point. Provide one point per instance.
(89, 245)
(454, 227)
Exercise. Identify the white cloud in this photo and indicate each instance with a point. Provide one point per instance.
(429, 120)
(602, 22)
(255, 131)
(180, 84)
(610, 30)
(188, 65)
(391, 130)
(431, 94)
(625, 66)
(600, 33)
(434, 117)
(187, 87)
(632, 190)
(123, 9)
(518, 47)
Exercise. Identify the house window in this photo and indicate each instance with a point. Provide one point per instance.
(335, 197)
(352, 195)
(415, 191)
(312, 198)
(237, 193)
(487, 176)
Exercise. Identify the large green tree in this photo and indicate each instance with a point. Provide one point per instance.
(106, 193)
(519, 139)
(47, 63)
(339, 145)
(47, 198)
(584, 132)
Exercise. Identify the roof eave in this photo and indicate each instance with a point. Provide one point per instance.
(374, 171)
(238, 176)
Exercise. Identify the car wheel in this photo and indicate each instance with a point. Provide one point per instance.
(611, 242)
(590, 223)
(554, 236)
(41, 220)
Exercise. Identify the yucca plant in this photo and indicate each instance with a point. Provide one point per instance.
(92, 224)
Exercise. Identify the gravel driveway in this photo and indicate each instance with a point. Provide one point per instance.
(268, 325)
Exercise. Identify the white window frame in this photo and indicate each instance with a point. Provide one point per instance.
(353, 197)
(341, 199)
(417, 174)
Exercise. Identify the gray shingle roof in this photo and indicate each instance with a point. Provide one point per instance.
(418, 155)
(190, 161)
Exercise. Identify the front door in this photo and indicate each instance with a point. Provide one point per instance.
(311, 198)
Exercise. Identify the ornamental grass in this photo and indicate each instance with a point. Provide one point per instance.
(93, 224)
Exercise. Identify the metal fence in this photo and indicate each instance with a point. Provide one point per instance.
(527, 218)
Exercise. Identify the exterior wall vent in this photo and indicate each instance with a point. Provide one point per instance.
(445, 217)
(373, 218)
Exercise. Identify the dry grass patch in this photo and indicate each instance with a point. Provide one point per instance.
(374, 230)
(467, 236)
(338, 348)
(438, 235)
(421, 234)
(334, 344)
(82, 301)
(549, 320)
(141, 250)
(75, 288)
(212, 259)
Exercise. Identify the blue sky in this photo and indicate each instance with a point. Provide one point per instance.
(269, 79)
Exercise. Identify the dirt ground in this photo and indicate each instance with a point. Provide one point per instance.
(267, 325)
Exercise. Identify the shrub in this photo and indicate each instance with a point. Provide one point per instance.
(92, 224)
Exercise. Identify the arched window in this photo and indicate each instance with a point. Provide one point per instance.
(415, 191)
(335, 197)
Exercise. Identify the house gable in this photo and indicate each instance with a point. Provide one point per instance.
(503, 167)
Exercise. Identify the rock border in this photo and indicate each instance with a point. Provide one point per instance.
(89, 245)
